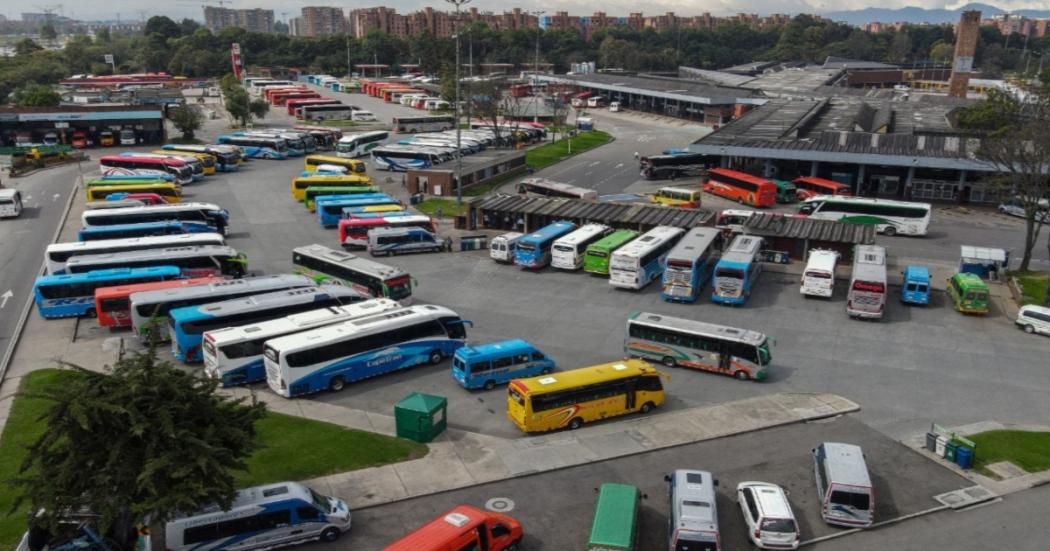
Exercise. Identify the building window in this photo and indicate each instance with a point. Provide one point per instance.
(934, 190)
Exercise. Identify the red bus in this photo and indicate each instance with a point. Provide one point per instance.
(293, 103)
(130, 165)
(811, 186)
(741, 187)
(113, 304)
(393, 95)
(281, 98)
(464, 527)
(268, 93)
(353, 232)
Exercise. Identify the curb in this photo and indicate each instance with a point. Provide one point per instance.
(875, 526)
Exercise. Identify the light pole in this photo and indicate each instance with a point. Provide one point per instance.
(536, 67)
(459, 143)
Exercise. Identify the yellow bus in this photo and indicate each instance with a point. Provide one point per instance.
(354, 166)
(167, 191)
(677, 197)
(207, 160)
(370, 209)
(300, 183)
(572, 398)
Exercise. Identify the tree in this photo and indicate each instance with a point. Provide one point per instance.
(26, 46)
(942, 51)
(36, 95)
(48, 32)
(238, 104)
(187, 119)
(144, 440)
(259, 108)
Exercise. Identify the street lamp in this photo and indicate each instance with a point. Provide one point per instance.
(459, 143)
(536, 67)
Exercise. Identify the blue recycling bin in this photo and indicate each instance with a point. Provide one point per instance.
(964, 457)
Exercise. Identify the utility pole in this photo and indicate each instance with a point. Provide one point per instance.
(459, 142)
(536, 67)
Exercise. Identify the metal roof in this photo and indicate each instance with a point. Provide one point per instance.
(610, 213)
(687, 90)
(775, 225)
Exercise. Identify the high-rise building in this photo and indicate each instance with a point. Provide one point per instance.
(320, 20)
(253, 20)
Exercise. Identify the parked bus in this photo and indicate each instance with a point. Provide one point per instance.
(818, 277)
(56, 255)
(496, 363)
(811, 186)
(534, 250)
(692, 524)
(149, 310)
(301, 183)
(286, 512)
(360, 144)
(741, 187)
(568, 399)
(888, 217)
(168, 192)
(331, 357)
(867, 287)
(206, 160)
(434, 123)
(679, 342)
(10, 203)
(206, 213)
(227, 158)
(329, 208)
(463, 528)
(501, 247)
(662, 167)
(677, 197)
(690, 263)
(112, 203)
(353, 232)
(139, 166)
(194, 261)
(297, 145)
(550, 188)
(293, 106)
(915, 285)
(615, 524)
(257, 148)
(124, 231)
(732, 220)
(131, 180)
(596, 258)
(311, 193)
(786, 192)
(737, 271)
(368, 276)
(187, 325)
(642, 261)
(113, 304)
(326, 112)
(401, 159)
(197, 167)
(568, 251)
(969, 293)
(352, 165)
(72, 295)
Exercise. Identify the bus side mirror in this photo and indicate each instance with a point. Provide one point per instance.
(716, 482)
(645, 496)
(667, 478)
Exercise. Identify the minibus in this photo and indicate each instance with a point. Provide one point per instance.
(818, 278)
(968, 293)
(496, 363)
(501, 248)
(464, 528)
(844, 486)
(915, 285)
(10, 203)
(1034, 319)
(615, 525)
(693, 520)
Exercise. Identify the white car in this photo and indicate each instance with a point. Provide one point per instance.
(770, 521)
(1015, 207)
(1034, 319)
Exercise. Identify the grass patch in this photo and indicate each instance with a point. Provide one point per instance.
(1028, 450)
(1033, 286)
(548, 154)
(449, 208)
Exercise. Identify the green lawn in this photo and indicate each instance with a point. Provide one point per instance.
(1033, 286)
(290, 448)
(448, 207)
(1028, 450)
(548, 154)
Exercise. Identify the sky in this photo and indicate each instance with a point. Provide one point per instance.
(283, 9)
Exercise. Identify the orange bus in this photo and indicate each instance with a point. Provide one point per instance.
(464, 527)
(113, 304)
(741, 187)
(811, 186)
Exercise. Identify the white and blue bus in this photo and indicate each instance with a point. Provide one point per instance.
(195, 261)
(690, 264)
(234, 355)
(737, 270)
(227, 158)
(72, 295)
(57, 254)
(400, 159)
(496, 363)
(329, 208)
(257, 148)
(567, 251)
(356, 145)
(641, 261)
(534, 250)
(187, 325)
(207, 213)
(297, 145)
(146, 229)
(331, 357)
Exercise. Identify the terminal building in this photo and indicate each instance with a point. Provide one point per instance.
(62, 123)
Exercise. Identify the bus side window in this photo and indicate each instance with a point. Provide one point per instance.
(521, 358)
(480, 367)
(502, 362)
(308, 513)
(537, 356)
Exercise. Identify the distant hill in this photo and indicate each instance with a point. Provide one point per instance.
(922, 15)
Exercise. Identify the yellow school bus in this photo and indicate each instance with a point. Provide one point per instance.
(353, 166)
(568, 399)
(167, 191)
(300, 183)
(207, 160)
(677, 197)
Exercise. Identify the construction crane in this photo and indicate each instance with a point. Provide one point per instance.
(49, 11)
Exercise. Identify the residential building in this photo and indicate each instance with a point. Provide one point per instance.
(252, 20)
(319, 21)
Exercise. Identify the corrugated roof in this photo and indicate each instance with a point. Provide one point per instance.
(776, 225)
(612, 213)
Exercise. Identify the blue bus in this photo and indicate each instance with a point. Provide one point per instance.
(257, 148)
(72, 295)
(496, 363)
(144, 229)
(690, 263)
(534, 250)
(330, 211)
(736, 272)
(187, 325)
(915, 287)
(118, 177)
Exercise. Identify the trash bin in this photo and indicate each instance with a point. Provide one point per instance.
(931, 441)
(949, 451)
(420, 417)
(939, 449)
(473, 242)
(414, 199)
(964, 457)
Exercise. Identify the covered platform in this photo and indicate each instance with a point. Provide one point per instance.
(796, 235)
(527, 213)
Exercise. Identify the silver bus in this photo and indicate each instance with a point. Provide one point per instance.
(693, 518)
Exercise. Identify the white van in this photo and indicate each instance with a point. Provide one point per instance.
(1034, 319)
(268, 516)
(501, 248)
(10, 203)
(694, 515)
(360, 115)
(818, 279)
(844, 486)
(770, 521)
(614, 106)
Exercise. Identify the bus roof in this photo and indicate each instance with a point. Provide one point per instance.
(870, 254)
(845, 464)
(694, 243)
(258, 283)
(352, 261)
(348, 138)
(348, 178)
(582, 234)
(822, 259)
(914, 272)
(700, 327)
(154, 241)
(742, 250)
(968, 281)
(332, 159)
(648, 240)
(694, 509)
(740, 175)
(615, 517)
(263, 301)
(300, 322)
(496, 347)
(614, 240)
(821, 182)
(440, 530)
(562, 380)
(126, 290)
(687, 190)
(112, 273)
(166, 207)
(866, 201)
(348, 329)
(83, 262)
(548, 232)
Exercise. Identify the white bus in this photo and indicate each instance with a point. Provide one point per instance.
(57, 254)
(693, 522)
(233, 355)
(423, 124)
(888, 217)
(567, 252)
(402, 158)
(641, 261)
(10, 203)
(550, 188)
(261, 517)
(331, 112)
(356, 145)
(208, 213)
(193, 262)
(818, 279)
(367, 276)
(331, 357)
(867, 287)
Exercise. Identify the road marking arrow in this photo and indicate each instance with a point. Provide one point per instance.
(55, 197)
(6, 296)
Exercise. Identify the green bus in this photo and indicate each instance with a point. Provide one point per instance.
(969, 293)
(596, 259)
(786, 192)
(313, 192)
(615, 526)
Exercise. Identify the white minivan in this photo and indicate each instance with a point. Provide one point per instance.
(818, 279)
(10, 203)
(844, 486)
(1034, 319)
(501, 248)
(770, 521)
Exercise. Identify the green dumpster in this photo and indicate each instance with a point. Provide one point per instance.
(420, 417)
(949, 451)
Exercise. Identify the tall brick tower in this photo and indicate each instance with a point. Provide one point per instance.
(965, 47)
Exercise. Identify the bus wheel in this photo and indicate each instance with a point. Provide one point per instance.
(575, 423)
(647, 407)
(669, 361)
(1029, 329)
(890, 231)
(436, 357)
(336, 384)
(741, 375)
(329, 535)
(490, 384)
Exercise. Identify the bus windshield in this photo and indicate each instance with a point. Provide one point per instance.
(729, 272)
(398, 289)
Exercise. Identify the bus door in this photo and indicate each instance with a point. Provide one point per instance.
(632, 400)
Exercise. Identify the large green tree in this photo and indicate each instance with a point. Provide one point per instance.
(187, 119)
(36, 95)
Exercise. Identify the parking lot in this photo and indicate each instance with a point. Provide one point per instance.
(556, 508)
